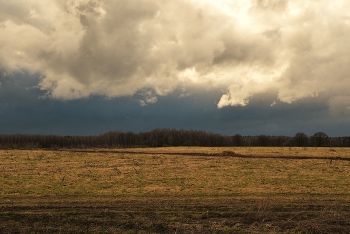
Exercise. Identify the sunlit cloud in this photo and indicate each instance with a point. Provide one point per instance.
(118, 48)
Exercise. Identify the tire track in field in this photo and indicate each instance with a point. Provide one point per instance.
(223, 154)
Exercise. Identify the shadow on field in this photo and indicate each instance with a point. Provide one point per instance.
(172, 215)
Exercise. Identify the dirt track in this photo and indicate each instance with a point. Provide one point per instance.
(223, 153)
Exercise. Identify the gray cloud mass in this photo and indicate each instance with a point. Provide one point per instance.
(287, 50)
(23, 111)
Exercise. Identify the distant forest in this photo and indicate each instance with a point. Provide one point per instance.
(167, 137)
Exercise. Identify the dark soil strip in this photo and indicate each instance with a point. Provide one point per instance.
(173, 216)
(223, 154)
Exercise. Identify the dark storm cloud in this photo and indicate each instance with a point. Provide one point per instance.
(23, 111)
(150, 52)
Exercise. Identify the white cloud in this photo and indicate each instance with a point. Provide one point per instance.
(116, 48)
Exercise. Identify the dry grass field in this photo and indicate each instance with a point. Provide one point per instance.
(175, 190)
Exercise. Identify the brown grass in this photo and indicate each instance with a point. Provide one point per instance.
(177, 189)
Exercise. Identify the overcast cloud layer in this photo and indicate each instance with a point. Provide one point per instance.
(115, 48)
(288, 50)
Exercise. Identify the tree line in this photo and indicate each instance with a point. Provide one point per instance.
(167, 137)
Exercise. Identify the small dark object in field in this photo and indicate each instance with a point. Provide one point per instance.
(228, 153)
(116, 169)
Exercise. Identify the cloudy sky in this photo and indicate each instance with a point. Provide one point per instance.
(85, 67)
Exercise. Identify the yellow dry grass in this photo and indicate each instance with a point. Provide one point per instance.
(173, 172)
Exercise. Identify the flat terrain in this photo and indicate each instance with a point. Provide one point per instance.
(175, 190)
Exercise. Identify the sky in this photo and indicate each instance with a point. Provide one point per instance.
(249, 67)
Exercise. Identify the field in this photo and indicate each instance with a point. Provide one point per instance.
(175, 190)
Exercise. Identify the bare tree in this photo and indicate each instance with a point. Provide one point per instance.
(237, 140)
(320, 139)
(300, 139)
(263, 140)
